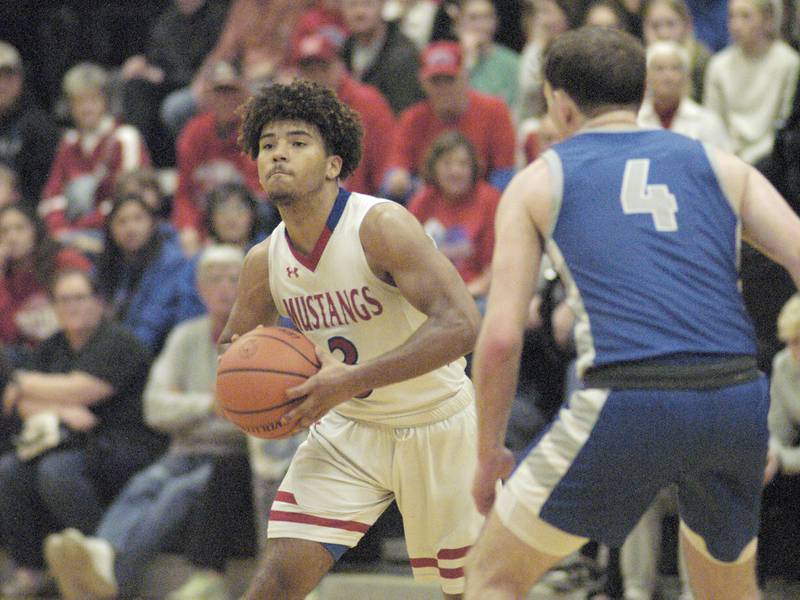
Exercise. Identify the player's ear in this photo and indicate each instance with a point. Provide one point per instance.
(334, 166)
(566, 109)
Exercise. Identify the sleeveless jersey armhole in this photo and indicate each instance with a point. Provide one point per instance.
(553, 161)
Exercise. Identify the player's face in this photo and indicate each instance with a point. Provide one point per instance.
(217, 286)
(77, 307)
(453, 172)
(664, 24)
(362, 16)
(17, 234)
(747, 24)
(87, 109)
(292, 161)
(132, 227)
(10, 88)
(232, 220)
(667, 77)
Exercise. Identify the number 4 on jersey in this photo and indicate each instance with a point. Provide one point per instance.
(638, 197)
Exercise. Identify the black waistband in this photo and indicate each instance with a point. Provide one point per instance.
(670, 374)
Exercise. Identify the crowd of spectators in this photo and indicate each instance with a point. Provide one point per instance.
(120, 175)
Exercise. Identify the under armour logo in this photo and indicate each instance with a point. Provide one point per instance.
(292, 272)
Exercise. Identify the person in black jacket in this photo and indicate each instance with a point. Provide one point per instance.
(28, 135)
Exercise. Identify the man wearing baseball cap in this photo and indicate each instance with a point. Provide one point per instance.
(316, 58)
(451, 104)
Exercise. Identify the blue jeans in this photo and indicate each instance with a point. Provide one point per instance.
(43, 495)
(150, 509)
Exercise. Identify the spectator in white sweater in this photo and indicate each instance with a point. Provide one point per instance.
(751, 83)
(780, 518)
(667, 104)
(159, 500)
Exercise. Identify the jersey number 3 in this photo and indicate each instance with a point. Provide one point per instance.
(349, 354)
(637, 197)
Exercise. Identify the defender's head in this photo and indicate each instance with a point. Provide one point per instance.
(591, 71)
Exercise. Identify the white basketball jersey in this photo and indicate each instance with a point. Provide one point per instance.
(335, 299)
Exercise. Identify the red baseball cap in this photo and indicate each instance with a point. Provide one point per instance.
(314, 46)
(441, 58)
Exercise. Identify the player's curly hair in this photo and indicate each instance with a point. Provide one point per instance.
(309, 102)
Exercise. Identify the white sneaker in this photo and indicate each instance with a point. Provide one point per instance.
(61, 569)
(91, 562)
(203, 585)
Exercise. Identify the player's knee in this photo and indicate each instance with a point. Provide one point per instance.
(699, 544)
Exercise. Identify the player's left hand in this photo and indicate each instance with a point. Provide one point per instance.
(492, 467)
(331, 385)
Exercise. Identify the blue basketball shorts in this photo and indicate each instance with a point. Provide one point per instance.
(598, 466)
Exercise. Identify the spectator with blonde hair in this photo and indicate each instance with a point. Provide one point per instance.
(88, 159)
(751, 84)
(784, 416)
(780, 523)
(670, 20)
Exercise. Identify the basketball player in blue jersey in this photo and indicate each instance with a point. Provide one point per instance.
(644, 228)
(391, 412)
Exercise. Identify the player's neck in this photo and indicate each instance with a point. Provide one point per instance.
(306, 217)
(614, 119)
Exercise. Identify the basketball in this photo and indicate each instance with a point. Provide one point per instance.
(254, 373)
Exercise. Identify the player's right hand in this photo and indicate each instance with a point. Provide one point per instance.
(493, 466)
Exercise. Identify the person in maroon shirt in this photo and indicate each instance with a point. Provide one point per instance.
(208, 154)
(88, 159)
(28, 259)
(451, 104)
(316, 57)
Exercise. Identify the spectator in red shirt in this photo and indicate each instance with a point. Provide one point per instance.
(28, 259)
(88, 159)
(208, 154)
(451, 104)
(456, 208)
(317, 60)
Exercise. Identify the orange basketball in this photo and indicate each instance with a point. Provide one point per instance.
(254, 374)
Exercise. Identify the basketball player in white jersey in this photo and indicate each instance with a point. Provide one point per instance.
(391, 412)
(644, 227)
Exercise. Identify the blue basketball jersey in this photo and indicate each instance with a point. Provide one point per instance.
(647, 244)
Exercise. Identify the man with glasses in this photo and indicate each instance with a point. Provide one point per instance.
(87, 378)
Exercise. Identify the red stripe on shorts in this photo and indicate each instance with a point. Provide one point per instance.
(286, 497)
(421, 563)
(292, 517)
(452, 553)
(451, 573)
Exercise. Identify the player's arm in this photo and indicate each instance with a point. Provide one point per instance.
(769, 224)
(398, 250)
(523, 213)
(254, 304)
